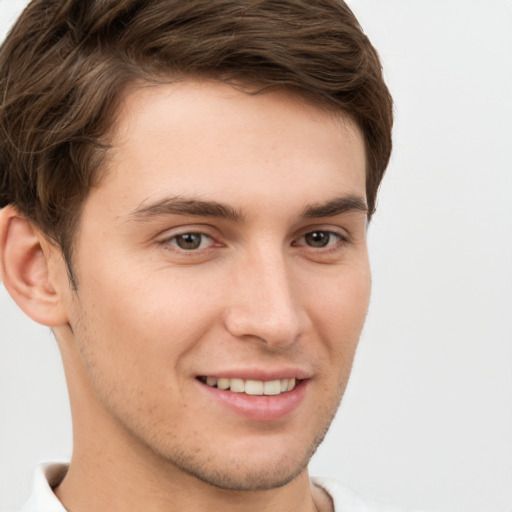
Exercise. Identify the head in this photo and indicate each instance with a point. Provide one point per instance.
(61, 86)
(150, 146)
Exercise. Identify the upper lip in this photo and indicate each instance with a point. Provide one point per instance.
(259, 373)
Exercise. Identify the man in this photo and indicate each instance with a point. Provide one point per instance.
(185, 190)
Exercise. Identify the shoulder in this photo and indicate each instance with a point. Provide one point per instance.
(346, 500)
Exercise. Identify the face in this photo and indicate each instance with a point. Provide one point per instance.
(223, 281)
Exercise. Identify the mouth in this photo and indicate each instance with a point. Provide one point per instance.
(273, 399)
(251, 387)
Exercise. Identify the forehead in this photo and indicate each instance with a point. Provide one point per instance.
(204, 138)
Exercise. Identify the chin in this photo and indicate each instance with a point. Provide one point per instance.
(245, 478)
(250, 469)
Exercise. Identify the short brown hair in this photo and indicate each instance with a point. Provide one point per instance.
(65, 63)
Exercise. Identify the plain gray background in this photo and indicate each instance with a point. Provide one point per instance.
(427, 417)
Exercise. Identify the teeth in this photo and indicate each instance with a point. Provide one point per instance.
(237, 385)
(272, 387)
(221, 383)
(252, 387)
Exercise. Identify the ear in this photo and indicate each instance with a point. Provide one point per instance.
(24, 269)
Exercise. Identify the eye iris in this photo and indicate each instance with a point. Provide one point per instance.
(317, 239)
(188, 241)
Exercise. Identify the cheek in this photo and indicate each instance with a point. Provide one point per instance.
(343, 300)
(151, 316)
(339, 315)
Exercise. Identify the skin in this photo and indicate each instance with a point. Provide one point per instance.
(258, 294)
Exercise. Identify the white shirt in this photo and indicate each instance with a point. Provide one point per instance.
(48, 476)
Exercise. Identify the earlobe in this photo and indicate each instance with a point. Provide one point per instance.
(24, 269)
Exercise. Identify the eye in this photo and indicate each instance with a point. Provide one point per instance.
(190, 241)
(320, 239)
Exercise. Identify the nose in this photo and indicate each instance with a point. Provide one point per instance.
(264, 302)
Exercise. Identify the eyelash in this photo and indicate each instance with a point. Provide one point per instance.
(330, 246)
(173, 240)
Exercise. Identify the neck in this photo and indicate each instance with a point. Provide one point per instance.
(111, 481)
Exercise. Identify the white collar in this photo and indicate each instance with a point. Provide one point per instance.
(346, 500)
(46, 478)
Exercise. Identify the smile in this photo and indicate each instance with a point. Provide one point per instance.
(251, 387)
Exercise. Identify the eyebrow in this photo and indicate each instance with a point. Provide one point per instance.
(182, 206)
(335, 207)
(196, 207)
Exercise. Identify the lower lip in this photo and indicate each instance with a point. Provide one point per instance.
(256, 407)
